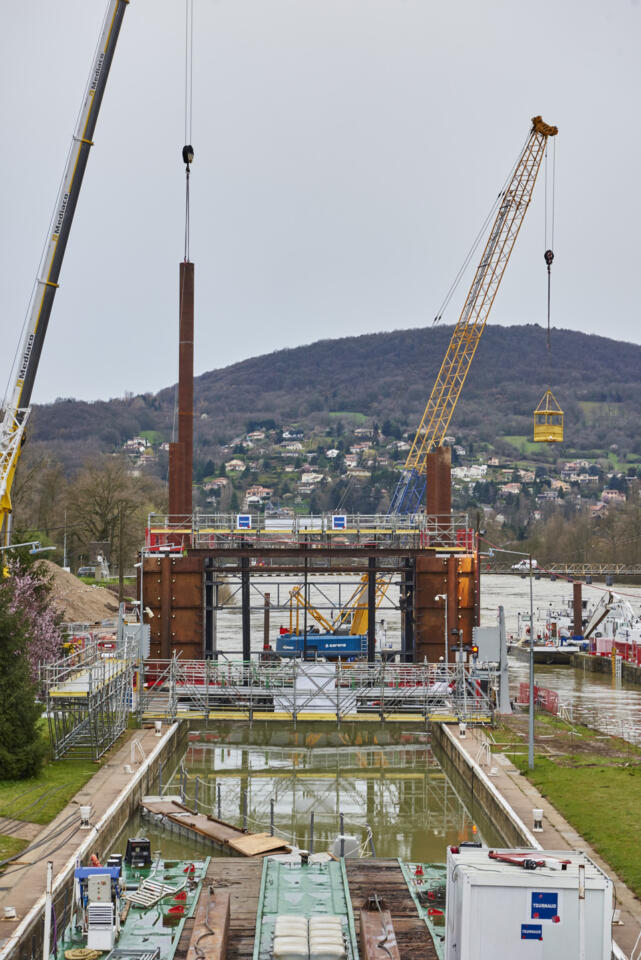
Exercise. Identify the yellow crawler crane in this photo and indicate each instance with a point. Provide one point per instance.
(409, 495)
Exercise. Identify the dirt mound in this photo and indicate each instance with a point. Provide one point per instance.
(77, 601)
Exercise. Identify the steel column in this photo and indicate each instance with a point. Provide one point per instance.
(244, 592)
(577, 608)
(371, 610)
(209, 608)
(407, 604)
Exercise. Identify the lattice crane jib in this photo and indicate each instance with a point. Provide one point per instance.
(478, 303)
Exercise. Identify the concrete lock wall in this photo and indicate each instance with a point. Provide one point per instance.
(496, 810)
(584, 661)
(26, 942)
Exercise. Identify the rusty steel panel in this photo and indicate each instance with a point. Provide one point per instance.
(577, 607)
(377, 936)
(187, 589)
(439, 481)
(453, 576)
(175, 479)
(165, 608)
(173, 590)
(186, 383)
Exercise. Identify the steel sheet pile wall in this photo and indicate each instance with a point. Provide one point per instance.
(453, 577)
(173, 590)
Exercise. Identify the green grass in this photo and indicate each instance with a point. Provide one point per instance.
(39, 799)
(602, 803)
(10, 846)
(152, 436)
(353, 415)
(594, 783)
(523, 445)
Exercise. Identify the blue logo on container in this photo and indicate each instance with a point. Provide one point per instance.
(339, 522)
(243, 521)
(545, 906)
(531, 931)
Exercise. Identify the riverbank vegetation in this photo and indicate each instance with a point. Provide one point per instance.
(594, 781)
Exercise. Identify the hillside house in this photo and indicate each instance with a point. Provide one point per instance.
(235, 466)
(256, 495)
(613, 496)
(510, 488)
(311, 479)
(136, 445)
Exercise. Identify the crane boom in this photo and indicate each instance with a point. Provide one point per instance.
(16, 413)
(409, 493)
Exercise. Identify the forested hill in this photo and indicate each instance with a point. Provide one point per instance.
(386, 377)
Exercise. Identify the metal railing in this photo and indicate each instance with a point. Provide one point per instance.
(296, 689)
(218, 530)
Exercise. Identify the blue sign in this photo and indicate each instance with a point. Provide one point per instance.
(545, 906)
(339, 522)
(531, 931)
(243, 521)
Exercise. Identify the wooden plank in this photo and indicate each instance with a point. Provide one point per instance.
(211, 927)
(258, 844)
(377, 936)
(384, 877)
(163, 807)
(215, 830)
(241, 878)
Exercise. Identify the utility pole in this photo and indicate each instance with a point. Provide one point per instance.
(121, 557)
(530, 739)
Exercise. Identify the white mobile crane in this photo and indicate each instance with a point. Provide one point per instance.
(16, 413)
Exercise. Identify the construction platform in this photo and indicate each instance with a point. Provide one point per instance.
(242, 880)
(431, 559)
(294, 690)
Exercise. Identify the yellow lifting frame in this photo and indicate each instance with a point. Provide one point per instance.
(548, 420)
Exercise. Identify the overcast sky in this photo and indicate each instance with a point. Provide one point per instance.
(347, 151)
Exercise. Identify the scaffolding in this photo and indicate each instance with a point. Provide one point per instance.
(88, 698)
(315, 690)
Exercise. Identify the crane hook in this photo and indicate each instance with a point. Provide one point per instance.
(548, 257)
(188, 156)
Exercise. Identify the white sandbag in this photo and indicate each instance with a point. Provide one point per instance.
(321, 950)
(290, 948)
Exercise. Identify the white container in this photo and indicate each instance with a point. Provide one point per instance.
(500, 911)
(348, 843)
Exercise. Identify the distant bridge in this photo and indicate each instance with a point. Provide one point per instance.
(574, 571)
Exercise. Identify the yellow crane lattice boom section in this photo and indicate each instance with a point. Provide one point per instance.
(471, 323)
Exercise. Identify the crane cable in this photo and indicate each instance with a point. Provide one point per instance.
(549, 235)
(188, 150)
(477, 240)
